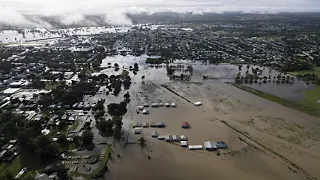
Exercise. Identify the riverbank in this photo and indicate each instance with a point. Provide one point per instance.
(315, 70)
(297, 106)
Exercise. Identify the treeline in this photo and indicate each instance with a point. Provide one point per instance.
(309, 77)
(156, 61)
(88, 85)
(297, 65)
(68, 94)
(111, 126)
(29, 136)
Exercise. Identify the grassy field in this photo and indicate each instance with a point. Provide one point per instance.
(315, 70)
(90, 71)
(297, 106)
(104, 161)
(75, 125)
(311, 96)
(20, 162)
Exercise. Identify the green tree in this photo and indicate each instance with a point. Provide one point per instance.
(170, 70)
(37, 84)
(117, 133)
(117, 120)
(42, 141)
(117, 109)
(28, 176)
(62, 172)
(103, 77)
(135, 67)
(24, 136)
(87, 137)
(142, 142)
(99, 114)
(99, 106)
(126, 96)
(62, 138)
(105, 127)
(9, 175)
(48, 152)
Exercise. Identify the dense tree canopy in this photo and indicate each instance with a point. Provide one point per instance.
(87, 137)
(117, 109)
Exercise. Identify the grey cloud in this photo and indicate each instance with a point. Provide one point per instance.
(35, 13)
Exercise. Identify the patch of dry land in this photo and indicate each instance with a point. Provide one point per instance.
(265, 140)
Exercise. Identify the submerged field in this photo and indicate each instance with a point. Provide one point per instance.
(311, 97)
(260, 134)
(315, 70)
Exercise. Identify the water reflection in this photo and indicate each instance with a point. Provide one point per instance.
(290, 92)
(220, 72)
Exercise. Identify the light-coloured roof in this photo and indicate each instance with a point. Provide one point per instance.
(182, 137)
(184, 143)
(45, 131)
(197, 103)
(11, 90)
(210, 144)
(9, 147)
(15, 84)
(195, 147)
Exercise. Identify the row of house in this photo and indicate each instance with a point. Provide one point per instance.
(9, 151)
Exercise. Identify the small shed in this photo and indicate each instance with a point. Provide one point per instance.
(169, 138)
(153, 124)
(2, 153)
(184, 144)
(13, 141)
(137, 130)
(175, 138)
(210, 145)
(221, 144)
(64, 117)
(154, 134)
(136, 125)
(9, 147)
(155, 105)
(195, 147)
(160, 124)
(145, 111)
(71, 119)
(161, 137)
(183, 138)
(38, 117)
(145, 125)
(197, 103)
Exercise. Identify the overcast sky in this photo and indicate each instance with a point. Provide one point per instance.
(72, 11)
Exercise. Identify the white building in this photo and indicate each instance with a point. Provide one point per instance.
(184, 143)
(210, 145)
(137, 130)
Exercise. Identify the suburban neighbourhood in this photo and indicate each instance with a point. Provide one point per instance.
(117, 102)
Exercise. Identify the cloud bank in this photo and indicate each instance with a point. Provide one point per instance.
(43, 13)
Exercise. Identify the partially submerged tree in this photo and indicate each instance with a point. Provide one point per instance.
(87, 137)
(142, 143)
